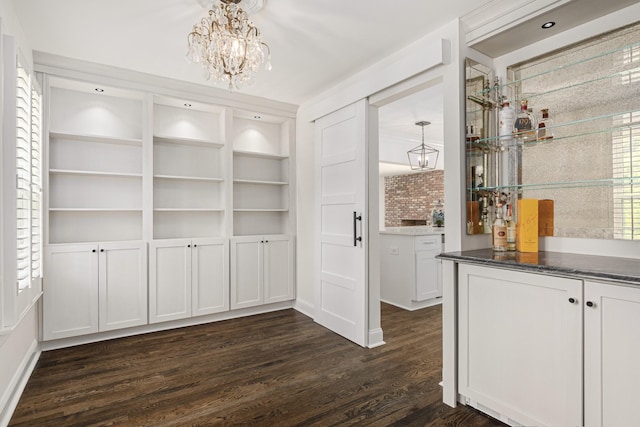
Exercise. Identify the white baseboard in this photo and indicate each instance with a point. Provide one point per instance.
(18, 383)
(375, 338)
(415, 305)
(163, 326)
(304, 307)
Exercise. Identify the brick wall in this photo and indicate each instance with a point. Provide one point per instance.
(412, 196)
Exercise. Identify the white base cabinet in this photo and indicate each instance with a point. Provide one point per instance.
(410, 274)
(93, 288)
(612, 352)
(520, 345)
(523, 339)
(261, 270)
(188, 278)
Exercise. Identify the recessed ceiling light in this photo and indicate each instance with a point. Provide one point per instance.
(99, 89)
(186, 104)
(548, 25)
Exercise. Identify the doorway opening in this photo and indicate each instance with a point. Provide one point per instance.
(411, 202)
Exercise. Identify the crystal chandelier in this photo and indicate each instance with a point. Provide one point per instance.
(423, 157)
(228, 45)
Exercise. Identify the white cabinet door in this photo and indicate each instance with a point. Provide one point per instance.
(520, 345)
(278, 269)
(612, 352)
(427, 276)
(70, 306)
(122, 285)
(210, 276)
(246, 272)
(169, 280)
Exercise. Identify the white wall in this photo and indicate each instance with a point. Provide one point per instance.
(12, 27)
(18, 348)
(381, 201)
(19, 353)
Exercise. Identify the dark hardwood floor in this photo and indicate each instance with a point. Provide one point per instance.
(276, 369)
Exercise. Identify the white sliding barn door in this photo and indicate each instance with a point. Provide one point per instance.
(341, 291)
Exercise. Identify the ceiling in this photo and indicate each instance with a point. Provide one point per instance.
(398, 132)
(314, 44)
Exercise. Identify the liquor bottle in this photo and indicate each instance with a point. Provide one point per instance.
(486, 222)
(472, 136)
(525, 124)
(507, 120)
(545, 127)
(499, 231)
(511, 229)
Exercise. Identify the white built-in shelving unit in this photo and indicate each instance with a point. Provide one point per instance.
(189, 168)
(261, 170)
(162, 189)
(95, 163)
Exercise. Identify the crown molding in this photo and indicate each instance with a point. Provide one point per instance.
(60, 66)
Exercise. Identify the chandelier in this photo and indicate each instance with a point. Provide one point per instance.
(423, 157)
(228, 46)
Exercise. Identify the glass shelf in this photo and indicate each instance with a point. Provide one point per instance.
(587, 183)
(598, 82)
(564, 67)
(487, 143)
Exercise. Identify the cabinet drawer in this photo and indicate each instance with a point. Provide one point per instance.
(427, 243)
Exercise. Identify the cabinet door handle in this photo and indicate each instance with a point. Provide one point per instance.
(590, 304)
(572, 300)
(188, 246)
(93, 250)
(266, 241)
(356, 238)
(195, 246)
(101, 250)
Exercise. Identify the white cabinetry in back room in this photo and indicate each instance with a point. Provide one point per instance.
(410, 274)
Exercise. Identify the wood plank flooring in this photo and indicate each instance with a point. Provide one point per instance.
(275, 369)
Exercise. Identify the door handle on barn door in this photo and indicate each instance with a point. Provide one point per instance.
(356, 238)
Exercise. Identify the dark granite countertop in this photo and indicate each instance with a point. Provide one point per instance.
(559, 263)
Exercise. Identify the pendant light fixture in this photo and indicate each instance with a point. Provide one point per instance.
(423, 157)
(227, 44)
